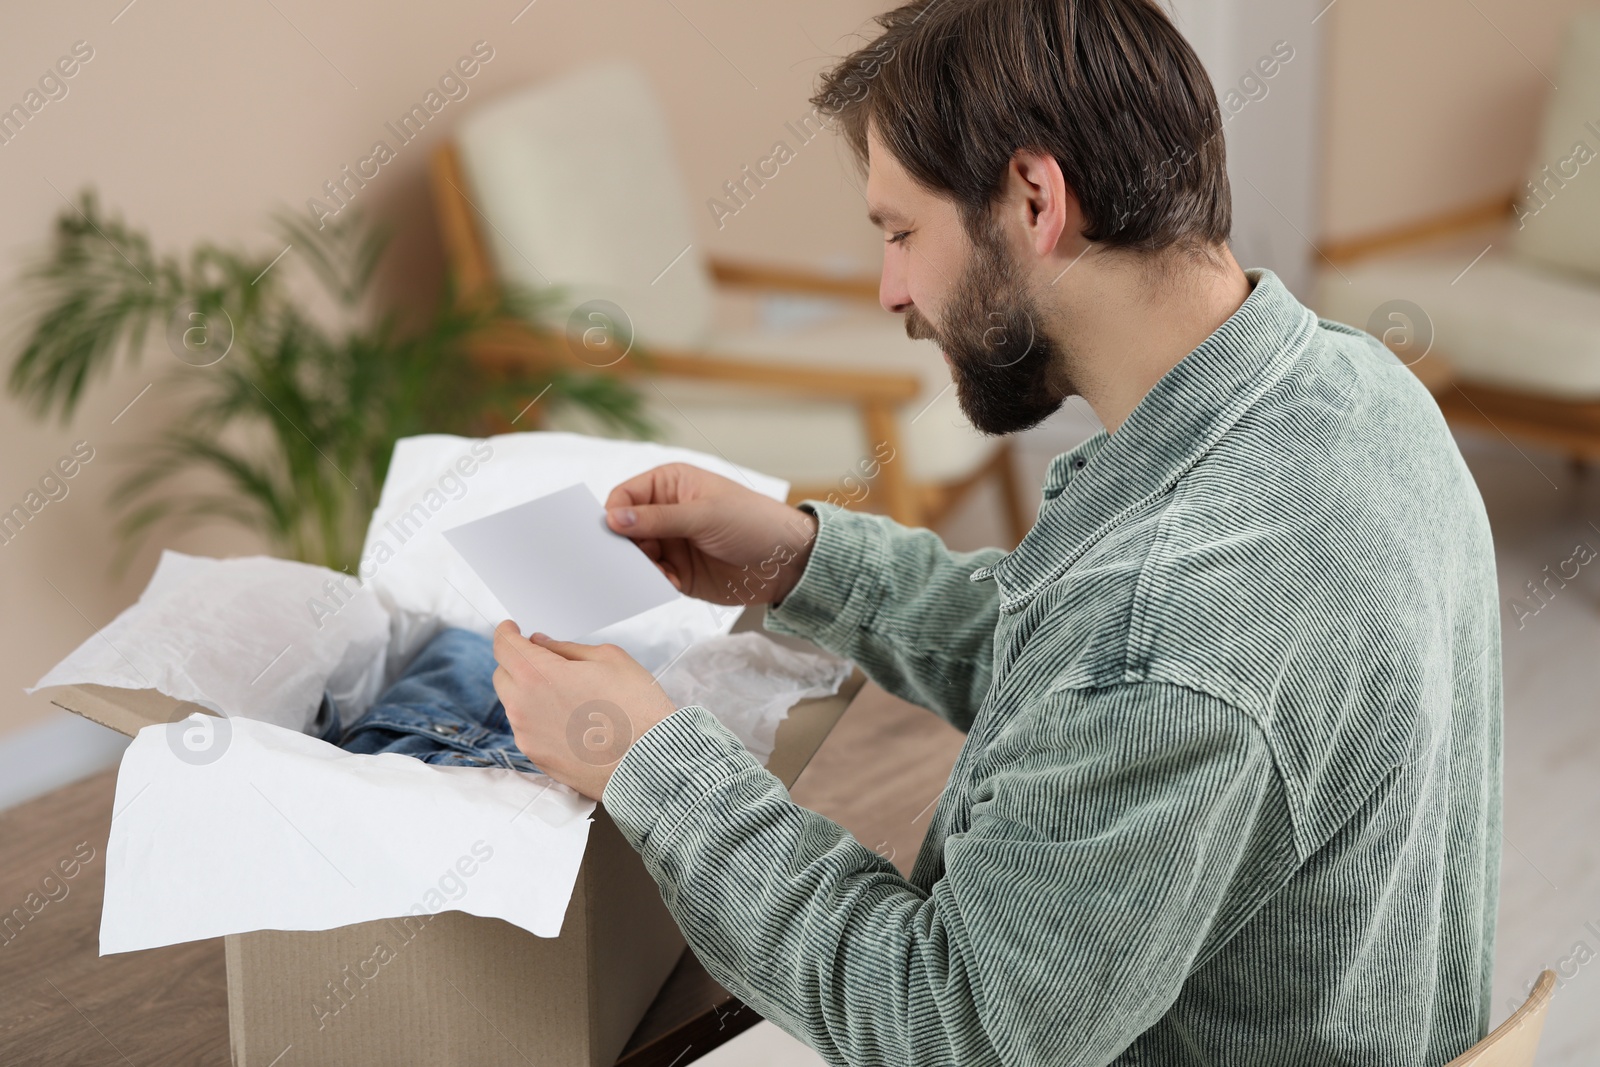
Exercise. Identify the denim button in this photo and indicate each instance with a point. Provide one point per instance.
(444, 728)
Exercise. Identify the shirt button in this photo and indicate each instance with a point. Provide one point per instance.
(441, 728)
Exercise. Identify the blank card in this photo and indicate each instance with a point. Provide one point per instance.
(558, 568)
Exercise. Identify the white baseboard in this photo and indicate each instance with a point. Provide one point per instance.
(57, 752)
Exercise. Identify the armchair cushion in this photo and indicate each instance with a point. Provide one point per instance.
(1559, 218)
(577, 186)
(1505, 323)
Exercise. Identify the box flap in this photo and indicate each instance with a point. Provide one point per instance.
(807, 725)
(126, 711)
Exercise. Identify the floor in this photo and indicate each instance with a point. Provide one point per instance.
(1543, 514)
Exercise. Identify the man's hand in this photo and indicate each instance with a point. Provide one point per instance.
(713, 538)
(574, 709)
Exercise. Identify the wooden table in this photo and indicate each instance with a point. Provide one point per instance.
(61, 1003)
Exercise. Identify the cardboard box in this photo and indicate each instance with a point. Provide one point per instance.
(455, 988)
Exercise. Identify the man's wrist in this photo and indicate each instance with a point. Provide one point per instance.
(790, 574)
(841, 581)
(671, 771)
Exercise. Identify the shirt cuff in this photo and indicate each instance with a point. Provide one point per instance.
(680, 763)
(839, 589)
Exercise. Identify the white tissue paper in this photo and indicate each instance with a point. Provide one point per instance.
(246, 823)
(281, 831)
(749, 682)
(261, 828)
(437, 481)
(241, 637)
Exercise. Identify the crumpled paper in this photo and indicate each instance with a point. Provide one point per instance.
(361, 837)
(223, 826)
(241, 636)
(749, 682)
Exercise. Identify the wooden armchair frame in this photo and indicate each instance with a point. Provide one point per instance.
(1570, 426)
(875, 394)
(1514, 1042)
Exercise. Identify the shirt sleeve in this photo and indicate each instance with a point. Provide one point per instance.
(1116, 836)
(900, 604)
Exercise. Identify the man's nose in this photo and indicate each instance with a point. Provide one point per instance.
(892, 291)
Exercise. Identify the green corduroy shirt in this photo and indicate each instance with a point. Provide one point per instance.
(1230, 790)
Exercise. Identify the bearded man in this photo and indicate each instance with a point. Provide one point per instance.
(1230, 790)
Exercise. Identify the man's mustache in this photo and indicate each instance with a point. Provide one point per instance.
(917, 327)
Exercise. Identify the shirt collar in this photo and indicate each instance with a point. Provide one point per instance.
(1092, 487)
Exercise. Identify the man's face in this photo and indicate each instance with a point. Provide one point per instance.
(968, 296)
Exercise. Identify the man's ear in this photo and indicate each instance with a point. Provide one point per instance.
(1044, 205)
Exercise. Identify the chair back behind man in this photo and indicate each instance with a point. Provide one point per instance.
(577, 186)
(1514, 1042)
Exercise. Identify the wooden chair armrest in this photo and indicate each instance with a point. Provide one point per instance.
(745, 275)
(515, 346)
(1350, 249)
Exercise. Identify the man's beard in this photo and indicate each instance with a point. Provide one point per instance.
(1004, 363)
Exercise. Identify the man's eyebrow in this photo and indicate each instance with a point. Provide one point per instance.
(880, 217)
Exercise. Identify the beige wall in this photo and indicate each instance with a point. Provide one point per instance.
(196, 120)
(1430, 104)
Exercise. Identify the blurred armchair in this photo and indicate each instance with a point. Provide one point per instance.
(1516, 332)
(573, 183)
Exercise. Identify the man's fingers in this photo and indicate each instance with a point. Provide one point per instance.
(507, 639)
(654, 550)
(658, 485)
(517, 654)
(633, 491)
(677, 563)
(571, 649)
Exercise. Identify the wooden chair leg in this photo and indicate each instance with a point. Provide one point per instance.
(1005, 469)
(899, 497)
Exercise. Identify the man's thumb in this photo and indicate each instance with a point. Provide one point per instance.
(641, 521)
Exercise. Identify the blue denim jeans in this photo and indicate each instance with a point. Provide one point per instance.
(442, 709)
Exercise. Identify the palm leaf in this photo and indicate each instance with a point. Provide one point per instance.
(290, 434)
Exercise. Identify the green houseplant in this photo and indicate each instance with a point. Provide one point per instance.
(291, 420)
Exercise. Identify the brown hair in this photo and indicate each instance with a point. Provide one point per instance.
(1108, 87)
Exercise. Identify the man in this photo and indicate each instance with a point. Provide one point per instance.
(1230, 793)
